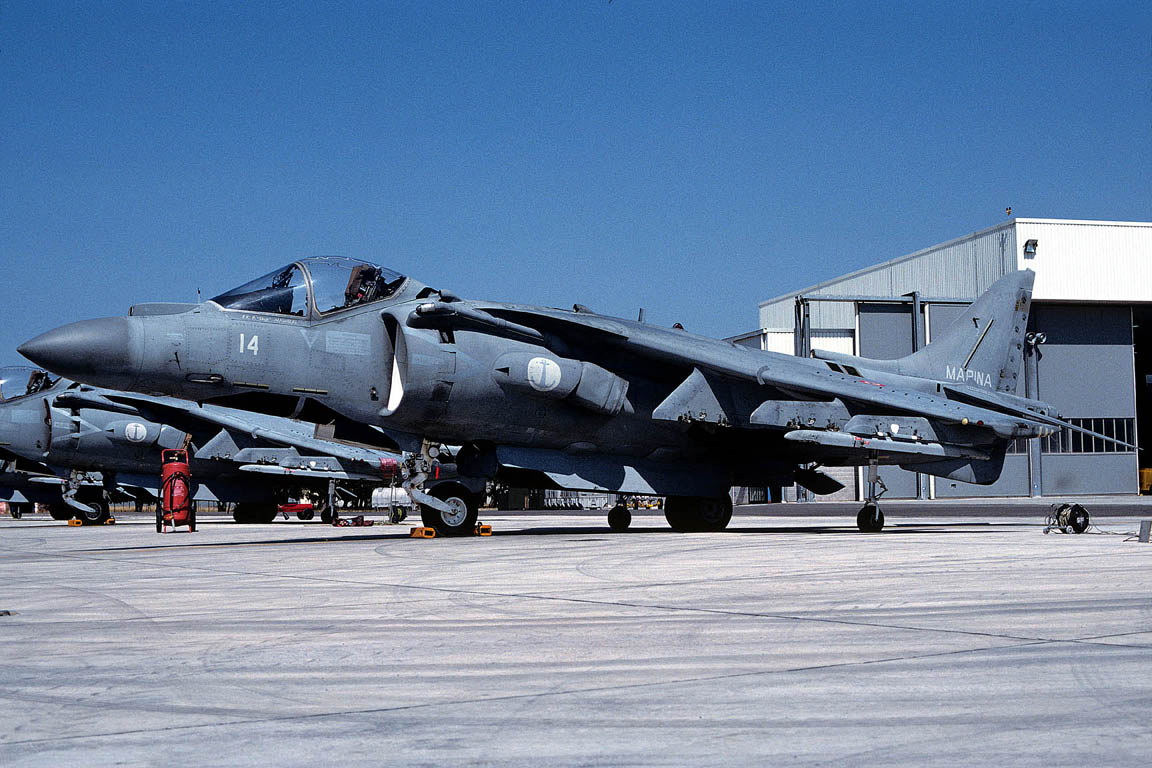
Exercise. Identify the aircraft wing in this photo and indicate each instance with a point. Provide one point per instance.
(800, 382)
(966, 406)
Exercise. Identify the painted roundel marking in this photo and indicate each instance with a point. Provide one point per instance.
(543, 374)
(136, 432)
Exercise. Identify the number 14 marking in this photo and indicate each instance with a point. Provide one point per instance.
(252, 346)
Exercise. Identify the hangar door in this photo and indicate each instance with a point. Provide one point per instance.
(1086, 370)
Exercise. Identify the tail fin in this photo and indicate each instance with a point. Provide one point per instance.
(984, 346)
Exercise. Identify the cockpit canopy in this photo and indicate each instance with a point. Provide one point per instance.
(20, 380)
(316, 285)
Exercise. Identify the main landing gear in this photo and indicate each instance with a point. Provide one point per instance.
(870, 519)
(695, 514)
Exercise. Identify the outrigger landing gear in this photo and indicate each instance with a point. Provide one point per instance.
(619, 518)
(870, 519)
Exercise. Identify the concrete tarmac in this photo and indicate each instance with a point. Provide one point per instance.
(783, 641)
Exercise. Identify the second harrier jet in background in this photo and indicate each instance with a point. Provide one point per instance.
(572, 399)
(76, 448)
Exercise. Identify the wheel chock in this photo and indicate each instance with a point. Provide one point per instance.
(483, 530)
(423, 533)
(75, 521)
(110, 521)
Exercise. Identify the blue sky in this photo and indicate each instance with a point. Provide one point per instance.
(692, 158)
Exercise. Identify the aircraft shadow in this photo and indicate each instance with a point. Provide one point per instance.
(352, 537)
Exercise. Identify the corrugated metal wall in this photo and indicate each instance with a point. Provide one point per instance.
(1088, 260)
(833, 340)
(960, 269)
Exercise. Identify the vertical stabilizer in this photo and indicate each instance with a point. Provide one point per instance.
(984, 346)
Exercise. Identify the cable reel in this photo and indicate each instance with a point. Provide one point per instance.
(1067, 518)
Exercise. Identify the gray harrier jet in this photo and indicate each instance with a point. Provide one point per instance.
(573, 399)
(75, 448)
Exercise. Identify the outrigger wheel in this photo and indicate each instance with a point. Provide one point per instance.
(870, 519)
(619, 518)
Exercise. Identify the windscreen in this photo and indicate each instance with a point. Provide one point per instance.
(18, 381)
(338, 283)
(283, 292)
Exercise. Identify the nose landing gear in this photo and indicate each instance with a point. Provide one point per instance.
(870, 519)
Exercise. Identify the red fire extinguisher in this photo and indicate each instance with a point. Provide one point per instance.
(176, 506)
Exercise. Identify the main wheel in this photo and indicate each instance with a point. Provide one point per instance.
(715, 513)
(870, 519)
(461, 520)
(61, 512)
(619, 518)
(698, 513)
(253, 513)
(678, 512)
(17, 509)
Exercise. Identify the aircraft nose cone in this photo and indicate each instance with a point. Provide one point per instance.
(104, 352)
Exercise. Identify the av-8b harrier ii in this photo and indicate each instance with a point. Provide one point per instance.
(573, 399)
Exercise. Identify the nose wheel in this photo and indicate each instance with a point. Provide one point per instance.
(870, 519)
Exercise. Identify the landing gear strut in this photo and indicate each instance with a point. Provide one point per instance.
(870, 519)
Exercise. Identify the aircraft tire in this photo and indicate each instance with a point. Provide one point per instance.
(254, 514)
(714, 514)
(61, 512)
(678, 513)
(462, 521)
(619, 518)
(17, 509)
(870, 519)
(698, 514)
(97, 512)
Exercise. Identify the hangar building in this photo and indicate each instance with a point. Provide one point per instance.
(1092, 311)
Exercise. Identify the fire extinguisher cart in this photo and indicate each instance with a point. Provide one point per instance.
(176, 506)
